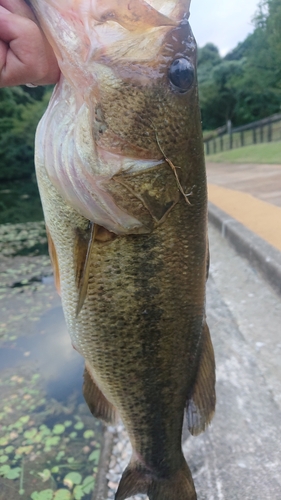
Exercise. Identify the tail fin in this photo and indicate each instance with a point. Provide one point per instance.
(137, 479)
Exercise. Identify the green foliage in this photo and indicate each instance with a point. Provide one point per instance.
(20, 111)
(19, 116)
(245, 85)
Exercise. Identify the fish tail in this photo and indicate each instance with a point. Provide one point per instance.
(137, 479)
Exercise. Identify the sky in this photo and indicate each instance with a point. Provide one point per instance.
(222, 22)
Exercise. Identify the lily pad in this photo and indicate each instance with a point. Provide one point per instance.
(9, 449)
(58, 429)
(60, 455)
(78, 492)
(88, 484)
(88, 434)
(62, 494)
(52, 441)
(95, 456)
(24, 419)
(31, 433)
(14, 473)
(45, 475)
(79, 425)
(42, 495)
(4, 469)
(24, 450)
(72, 478)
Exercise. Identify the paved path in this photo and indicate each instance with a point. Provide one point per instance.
(239, 457)
(250, 194)
(261, 181)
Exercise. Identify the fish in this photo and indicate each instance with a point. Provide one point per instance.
(120, 167)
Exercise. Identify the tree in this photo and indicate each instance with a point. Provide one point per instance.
(19, 116)
(245, 85)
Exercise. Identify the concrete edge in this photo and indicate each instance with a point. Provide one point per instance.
(261, 254)
(101, 487)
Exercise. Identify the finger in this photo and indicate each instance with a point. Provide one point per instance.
(18, 7)
(13, 26)
(27, 56)
(3, 55)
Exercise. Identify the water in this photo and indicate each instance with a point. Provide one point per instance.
(49, 442)
(50, 352)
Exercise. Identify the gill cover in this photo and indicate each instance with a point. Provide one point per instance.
(75, 141)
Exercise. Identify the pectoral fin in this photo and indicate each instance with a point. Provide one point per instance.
(83, 250)
(83, 253)
(98, 405)
(201, 404)
(54, 260)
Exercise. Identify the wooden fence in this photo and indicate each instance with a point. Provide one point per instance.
(225, 138)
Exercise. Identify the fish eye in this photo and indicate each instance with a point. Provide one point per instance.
(181, 74)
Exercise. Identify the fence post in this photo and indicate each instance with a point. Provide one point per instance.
(229, 131)
(242, 138)
(254, 135)
(269, 132)
(214, 146)
(261, 134)
(221, 141)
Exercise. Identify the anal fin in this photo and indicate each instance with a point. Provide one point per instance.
(202, 401)
(98, 405)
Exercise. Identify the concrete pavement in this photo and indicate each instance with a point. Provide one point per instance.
(261, 181)
(239, 456)
(245, 204)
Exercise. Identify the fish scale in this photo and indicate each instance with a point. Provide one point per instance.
(125, 205)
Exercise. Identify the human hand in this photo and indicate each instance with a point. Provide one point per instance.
(25, 54)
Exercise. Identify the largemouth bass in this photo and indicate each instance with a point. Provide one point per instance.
(120, 167)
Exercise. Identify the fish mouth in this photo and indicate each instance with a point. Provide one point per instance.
(104, 21)
(133, 15)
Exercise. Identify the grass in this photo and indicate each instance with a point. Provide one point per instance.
(243, 139)
(259, 153)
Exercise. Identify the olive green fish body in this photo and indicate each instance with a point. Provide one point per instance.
(120, 167)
